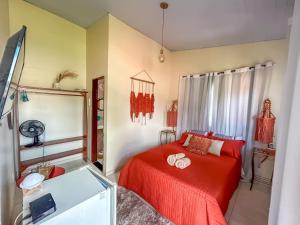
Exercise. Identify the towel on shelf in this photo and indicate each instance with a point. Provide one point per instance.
(172, 158)
(183, 163)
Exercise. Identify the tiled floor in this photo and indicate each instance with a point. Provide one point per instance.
(245, 208)
(249, 207)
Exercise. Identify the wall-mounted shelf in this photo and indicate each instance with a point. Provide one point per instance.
(54, 92)
(53, 142)
(34, 161)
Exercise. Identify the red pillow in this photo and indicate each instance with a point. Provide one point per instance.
(230, 147)
(199, 145)
(183, 138)
(185, 135)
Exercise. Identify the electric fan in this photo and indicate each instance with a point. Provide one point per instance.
(32, 129)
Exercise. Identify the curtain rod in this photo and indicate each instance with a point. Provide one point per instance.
(232, 71)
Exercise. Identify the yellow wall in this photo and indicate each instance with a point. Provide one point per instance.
(4, 28)
(96, 59)
(234, 56)
(129, 52)
(7, 173)
(53, 45)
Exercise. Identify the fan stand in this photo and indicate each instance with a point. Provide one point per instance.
(36, 142)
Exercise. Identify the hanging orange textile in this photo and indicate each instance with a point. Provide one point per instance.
(132, 102)
(172, 115)
(139, 102)
(265, 124)
(152, 105)
(142, 103)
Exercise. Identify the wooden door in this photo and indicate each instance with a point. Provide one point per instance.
(95, 108)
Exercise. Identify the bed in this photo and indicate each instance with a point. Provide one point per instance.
(196, 195)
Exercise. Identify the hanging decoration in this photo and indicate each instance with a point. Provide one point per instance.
(172, 115)
(265, 124)
(23, 95)
(142, 103)
(163, 6)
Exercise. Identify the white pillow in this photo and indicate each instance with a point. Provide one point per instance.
(187, 140)
(215, 147)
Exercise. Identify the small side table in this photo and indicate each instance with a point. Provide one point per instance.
(263, 155)
(168, 134)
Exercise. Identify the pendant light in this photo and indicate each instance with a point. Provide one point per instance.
(161, 57)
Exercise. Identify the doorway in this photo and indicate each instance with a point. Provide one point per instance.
(98, 122)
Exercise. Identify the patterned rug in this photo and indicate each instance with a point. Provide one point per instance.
(133, 210)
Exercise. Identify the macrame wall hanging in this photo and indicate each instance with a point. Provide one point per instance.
(141, 98)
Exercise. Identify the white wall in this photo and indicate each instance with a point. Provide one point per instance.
(7, 182)
(285, 201)
(130, 52)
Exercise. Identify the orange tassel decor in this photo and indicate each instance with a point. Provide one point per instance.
(141, 104)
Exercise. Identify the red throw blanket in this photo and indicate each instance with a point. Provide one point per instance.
(197, 195)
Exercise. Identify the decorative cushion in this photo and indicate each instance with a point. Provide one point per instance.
(199, 145)
(185, 135)
(215, 147)
(187, 140)
(230, 148)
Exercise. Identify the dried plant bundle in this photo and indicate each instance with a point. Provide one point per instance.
(64, 75)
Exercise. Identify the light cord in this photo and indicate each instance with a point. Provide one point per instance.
(162, 29)
(20, 214)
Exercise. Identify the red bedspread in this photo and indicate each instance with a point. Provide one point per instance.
(197, 195)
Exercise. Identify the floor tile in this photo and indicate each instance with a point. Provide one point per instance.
(251, 207)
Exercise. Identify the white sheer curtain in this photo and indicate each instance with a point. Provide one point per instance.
(194, 98)
(226, 104)
(230, 103)
(238, 97)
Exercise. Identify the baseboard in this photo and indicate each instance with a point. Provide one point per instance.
(113, 171)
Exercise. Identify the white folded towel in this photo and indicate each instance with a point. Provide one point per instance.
(172, 158)
(183, 163)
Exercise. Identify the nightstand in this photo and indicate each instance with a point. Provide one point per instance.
(262, 157)
(168, 135)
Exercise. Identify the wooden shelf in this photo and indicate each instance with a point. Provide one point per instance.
(31, 162)
(54, 142)
(52, 89)
(54, 92)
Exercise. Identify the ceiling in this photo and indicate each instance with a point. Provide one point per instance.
(190, 24)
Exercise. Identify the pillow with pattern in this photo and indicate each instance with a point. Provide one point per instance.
(199, 145)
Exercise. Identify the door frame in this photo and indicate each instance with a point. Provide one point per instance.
(94, 121)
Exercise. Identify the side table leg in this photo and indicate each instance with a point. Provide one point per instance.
(252, 179)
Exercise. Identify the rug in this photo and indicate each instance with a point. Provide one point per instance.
(133, 210)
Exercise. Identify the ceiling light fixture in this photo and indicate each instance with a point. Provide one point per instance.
(161, 57)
